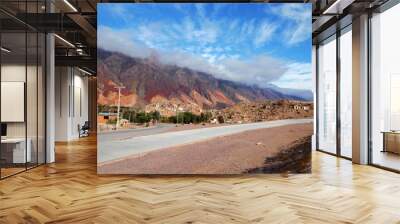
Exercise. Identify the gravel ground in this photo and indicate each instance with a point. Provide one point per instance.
(232, 154)
(184, 127)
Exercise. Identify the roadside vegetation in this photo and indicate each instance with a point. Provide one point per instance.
(136, 116)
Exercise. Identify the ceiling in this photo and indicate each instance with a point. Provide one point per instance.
(75, 22)
(330, 15)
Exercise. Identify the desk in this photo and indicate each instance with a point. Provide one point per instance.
(16, 148)
(391, 141)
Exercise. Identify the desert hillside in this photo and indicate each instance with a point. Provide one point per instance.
(151, 85)
(266, 111)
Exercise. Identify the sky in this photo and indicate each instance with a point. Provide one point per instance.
(252, 43)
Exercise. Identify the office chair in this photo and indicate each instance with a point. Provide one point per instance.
(84, 130)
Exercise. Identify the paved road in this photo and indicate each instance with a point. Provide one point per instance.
(110, 150)
(125, 134)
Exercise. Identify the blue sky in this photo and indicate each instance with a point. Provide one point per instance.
(257, 44)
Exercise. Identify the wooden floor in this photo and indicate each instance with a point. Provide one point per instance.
(69, 191)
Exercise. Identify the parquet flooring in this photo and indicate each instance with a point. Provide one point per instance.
(70, 191)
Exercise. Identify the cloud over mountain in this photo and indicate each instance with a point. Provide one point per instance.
(241, 44)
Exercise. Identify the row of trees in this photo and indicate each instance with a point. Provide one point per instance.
(140, 117)
(188, 117)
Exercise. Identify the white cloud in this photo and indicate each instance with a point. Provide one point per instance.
(247, 29)
(188, 30)
(259, 70)
(184, 59)
(265, 33)
(121, 41)
(207, 31)
(219, 8)
(117, 9)
(297, 76)
(298, 17)
(201, 51)
(120, 11)
(201, 11)
(180, 7)
(233, 25)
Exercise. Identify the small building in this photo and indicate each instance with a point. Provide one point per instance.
(123, 122)
(104, 117)
(214, 121)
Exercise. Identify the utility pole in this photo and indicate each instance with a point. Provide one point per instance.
(181, 109)
(119, 103)
(177, 121)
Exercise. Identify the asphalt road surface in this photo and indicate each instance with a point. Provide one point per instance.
(111, 148)
(131, 133)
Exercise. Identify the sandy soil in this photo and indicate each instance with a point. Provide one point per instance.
(233, 154)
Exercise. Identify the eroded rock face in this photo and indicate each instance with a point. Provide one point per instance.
(148, 81)
(266, 110)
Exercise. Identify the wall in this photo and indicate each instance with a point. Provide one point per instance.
(80, 103)
(62, 82)
(71, 102)
(92, 90)
(14, 73)
(33, 127)
(17, 73)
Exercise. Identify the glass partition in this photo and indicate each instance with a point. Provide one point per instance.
(327, 95)
(31, 97)
(385, 89)
(346, 92)
(13, 92)
(22, 77)
(41, 96)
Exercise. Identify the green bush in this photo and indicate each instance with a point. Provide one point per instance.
(189, 117)
(172, 119)
(142, 117)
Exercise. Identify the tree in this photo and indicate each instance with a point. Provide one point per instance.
(220, 119)
(142, 117)
(205, 117)
(188, 117)
(155, 115)
(172, 119)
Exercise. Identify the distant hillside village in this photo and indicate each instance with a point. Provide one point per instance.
(245, 112)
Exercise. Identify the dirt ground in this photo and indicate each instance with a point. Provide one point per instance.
(232, 154)
(184, 127)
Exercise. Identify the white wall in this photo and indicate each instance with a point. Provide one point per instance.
(12, 73)
(80, 111)
(62, 82)
(71, 103)
(33, 126)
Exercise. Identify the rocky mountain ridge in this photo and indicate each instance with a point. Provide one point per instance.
(151, 85)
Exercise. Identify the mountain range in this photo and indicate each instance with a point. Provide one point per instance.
(147, 81)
